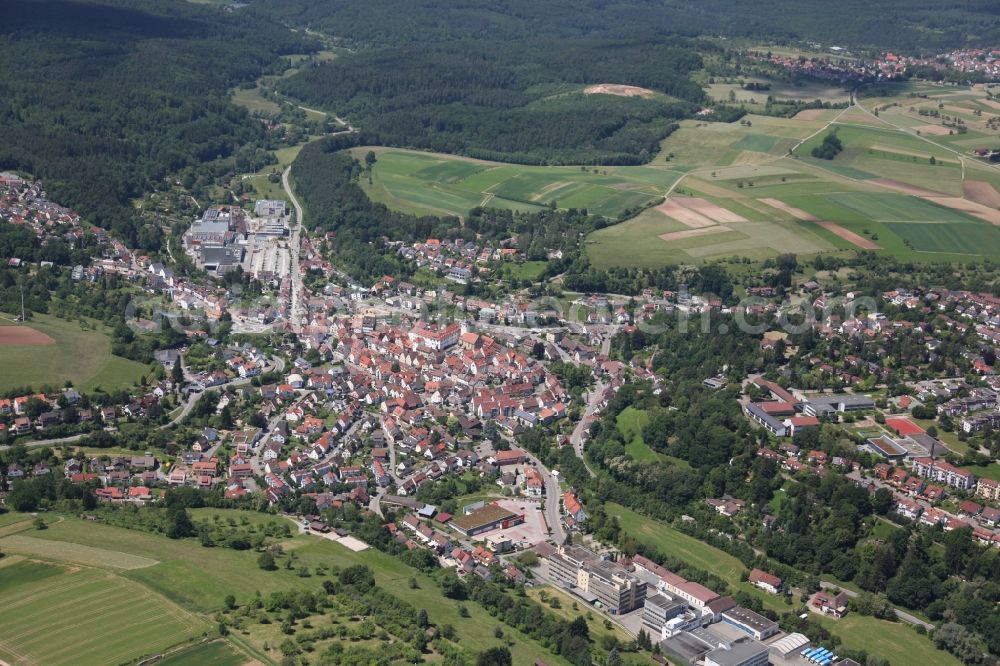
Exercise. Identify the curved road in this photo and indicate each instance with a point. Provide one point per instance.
(279, 366)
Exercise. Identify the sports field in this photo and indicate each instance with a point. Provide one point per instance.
(432, 183)
(47, 351)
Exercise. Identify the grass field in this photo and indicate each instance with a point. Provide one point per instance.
(698, 554)
(894, 641)
(81, 356)
(991, 471)
(431, 183)
(216, 653)
(630, 423)
(194, 580)
(55, 614)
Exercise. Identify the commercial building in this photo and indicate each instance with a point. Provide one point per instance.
(750, 623)
(824, 405)
(744, 652)
(597, 580)
(770, 423)
(486, 519)
(617, 589)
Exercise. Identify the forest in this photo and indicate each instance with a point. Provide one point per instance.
(907, 25)
(517, 102)
(104, 98)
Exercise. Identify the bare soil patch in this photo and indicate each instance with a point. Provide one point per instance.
(810, 114)
(617, 89)
(849, 236)
(905, 188)
(685, 216)
(23, 335)
(797, 213)
(692, 233)
(933, 130)
(981, 192)
(710, 210)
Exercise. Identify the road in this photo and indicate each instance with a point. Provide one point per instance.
(295, 310)
(902, 615)
(277, 365)
(553, 517)
(576, 439)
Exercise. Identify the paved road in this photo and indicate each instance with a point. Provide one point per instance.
(553, 517)
(278, 364)
(576, 439)
(295, 317)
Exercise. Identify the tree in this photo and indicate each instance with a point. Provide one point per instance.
(370, 158)
(614, 658)
(496, 656)
(230, 601)
(177, 372)
(422, 619)
(882, 502)
(266, 562)
(179, 523)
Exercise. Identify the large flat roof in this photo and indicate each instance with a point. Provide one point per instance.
(491, 513)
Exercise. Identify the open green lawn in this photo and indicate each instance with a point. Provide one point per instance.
(216, 653)
(197, 579)
(630, 423)
(895, 641)
(81, 356)
(991, 471)
(423, 183)
(54, 614)
(698, 554)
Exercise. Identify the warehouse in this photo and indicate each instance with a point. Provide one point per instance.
(486, 519)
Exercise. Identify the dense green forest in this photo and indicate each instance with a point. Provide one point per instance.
(910, 25)
(104, 98)
(515, 101)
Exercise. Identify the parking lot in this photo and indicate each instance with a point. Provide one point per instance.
(529, 533)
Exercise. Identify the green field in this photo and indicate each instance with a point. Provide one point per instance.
(431, 183)
(216, 653)
(54, 614)
(897, 642)
(630, 423)
(193, 580)
(81, 356)
(698, 554)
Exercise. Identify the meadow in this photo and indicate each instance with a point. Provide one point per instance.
(82, 356)
(58, 614)
(432, 183)
(183, 579)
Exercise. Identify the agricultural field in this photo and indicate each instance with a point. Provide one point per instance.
(805, 91)
(430, 183)
(48, 351)
(183, 580)
(54, 613)
(900, 186)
